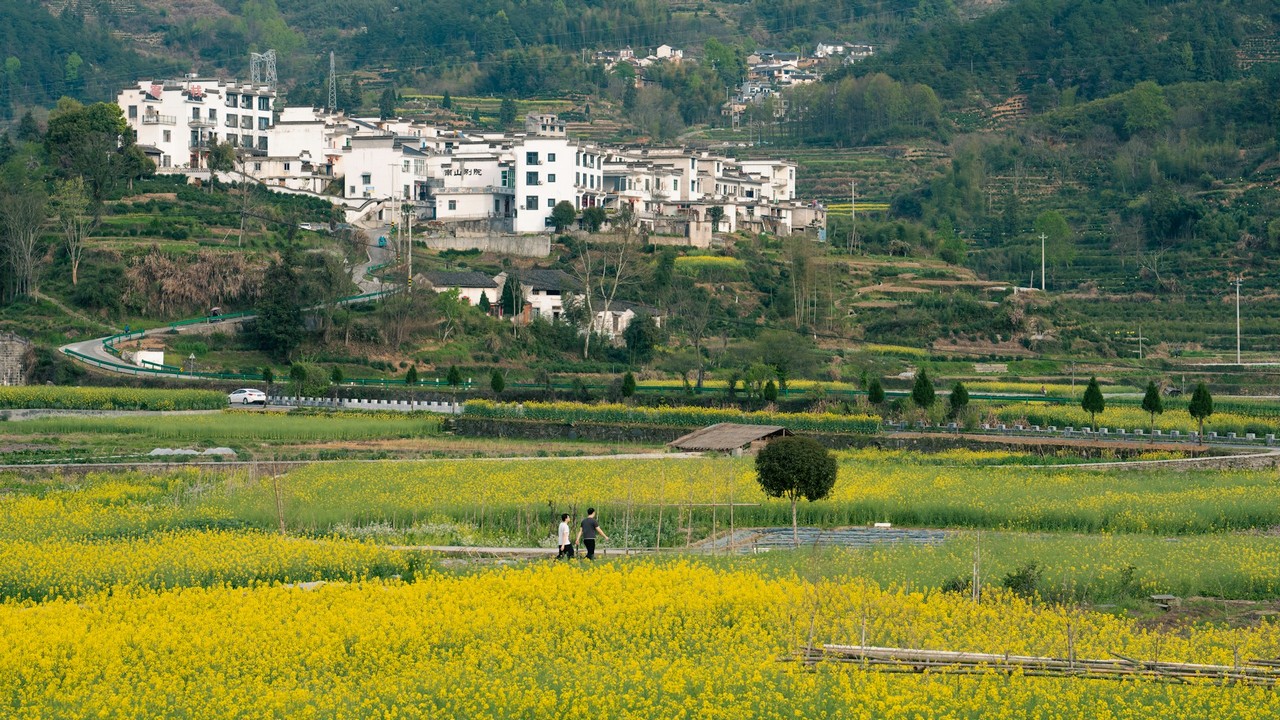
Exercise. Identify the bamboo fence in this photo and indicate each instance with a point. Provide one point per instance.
(886, 659)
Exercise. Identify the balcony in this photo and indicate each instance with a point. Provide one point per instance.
(201, 123)
(159, 120)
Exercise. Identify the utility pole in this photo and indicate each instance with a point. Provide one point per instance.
(853, 209)
(1042, 239)
(1237, 282)
(333, 85)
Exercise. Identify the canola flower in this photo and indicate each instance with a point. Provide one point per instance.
(75, 568)
(506, 495)
(674, 416)
(640, 640)
(106, 398)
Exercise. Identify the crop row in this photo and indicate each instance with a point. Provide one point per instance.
(670, 416)
(109, 398)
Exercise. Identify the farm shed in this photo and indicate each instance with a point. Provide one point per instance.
(729, 437)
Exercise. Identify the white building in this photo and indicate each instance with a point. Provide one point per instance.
(181, 119)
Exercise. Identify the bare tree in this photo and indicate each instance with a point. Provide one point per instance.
(24, 214)
(693, 312)
(600, 272)
(71, 203)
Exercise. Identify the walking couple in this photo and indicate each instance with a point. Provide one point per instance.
(587, 533)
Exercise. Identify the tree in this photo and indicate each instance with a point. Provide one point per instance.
(446, 102)
(484, 305)
(794, 468)
(336, 375)
(23, 213)
(594, 218)
(922, 391)
(715, 214)
(875, 392)
(411, 376)
(279, 325)
(601, 272)
(222, 159)
(512, 301)
(1152, 405)
(628, 385)
(497, 383)
(71, 203)
(268, 377)
(1201, 406)
(641, 336)
(92, 141)
(959, 399)
(454, 378)
(507, 112)
(1093, 402)
(387, 103)
(563, 215)
(770, 393)
(297, 378)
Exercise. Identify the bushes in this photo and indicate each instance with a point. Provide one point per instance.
(83, 398)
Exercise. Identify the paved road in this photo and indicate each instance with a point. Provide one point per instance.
(95, 349)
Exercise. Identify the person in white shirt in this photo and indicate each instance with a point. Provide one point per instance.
(562, 539)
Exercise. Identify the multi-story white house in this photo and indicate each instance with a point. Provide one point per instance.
(181, 119)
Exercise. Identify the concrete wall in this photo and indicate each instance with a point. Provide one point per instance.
(14, 359)
(520, 245)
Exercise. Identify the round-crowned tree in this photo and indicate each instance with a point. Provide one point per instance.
(794, 468)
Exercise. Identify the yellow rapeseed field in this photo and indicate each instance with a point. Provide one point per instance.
(640, 640)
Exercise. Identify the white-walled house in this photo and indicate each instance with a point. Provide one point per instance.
(621, 313)
(181, 119)
(470, 285)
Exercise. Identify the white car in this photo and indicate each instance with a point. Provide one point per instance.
(247, 396)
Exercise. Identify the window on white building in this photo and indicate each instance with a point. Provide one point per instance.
(531, 158)
(257, 167)
(453, 204)
(195, 113)
(551, 157)
(262, 143)
(264, 103)
(287, 166)
(133, 112)
(232, 120)
(246, 102)
(531, 202)
(213, 113)
(551, 177)
(366, 179)
(168, 136)
(531, 178)
(263, 123)
(246, 122)
(231, 99)
(551, 202)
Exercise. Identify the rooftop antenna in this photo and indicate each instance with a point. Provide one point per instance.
(262, 68)
(333, 85)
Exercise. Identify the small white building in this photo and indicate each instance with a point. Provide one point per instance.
(182, 119)
(470, 285)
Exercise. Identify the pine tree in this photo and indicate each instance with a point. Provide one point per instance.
(959, 399)
(484, 305)
(1152, 405)
(922, 392)
(1093, 402)
(628, 385)
(1201, 406)
(497, 383)
(875, 392)
(411, 377)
